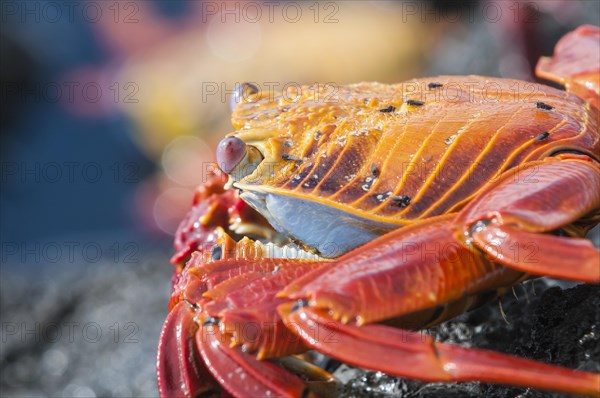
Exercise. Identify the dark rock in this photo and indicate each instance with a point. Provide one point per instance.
(82, 330)
(541, 322)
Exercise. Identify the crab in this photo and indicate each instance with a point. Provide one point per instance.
(343, 222)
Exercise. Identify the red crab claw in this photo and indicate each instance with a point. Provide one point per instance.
(241, 373)
(215, 285)
(181, 371)
(576, 64)
(216, 213)
(210, 209)
(513, 211)
(241, 326)
(201, 227)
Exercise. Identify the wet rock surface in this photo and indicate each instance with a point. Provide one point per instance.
(92, 332)
(541, 321)
(83, 330)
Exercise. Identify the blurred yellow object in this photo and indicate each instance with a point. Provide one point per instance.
(185, 81)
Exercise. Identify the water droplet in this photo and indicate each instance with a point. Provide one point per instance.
(450, 139)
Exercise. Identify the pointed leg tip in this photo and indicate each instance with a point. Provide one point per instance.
(180, 371)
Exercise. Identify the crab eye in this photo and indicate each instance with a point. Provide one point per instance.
(243, 92)
(230, 152)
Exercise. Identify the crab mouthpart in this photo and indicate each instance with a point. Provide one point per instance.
(236, 158)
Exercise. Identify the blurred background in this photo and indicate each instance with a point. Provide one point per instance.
(110, 111)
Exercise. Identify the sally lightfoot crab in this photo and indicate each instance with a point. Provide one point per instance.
(353, 218)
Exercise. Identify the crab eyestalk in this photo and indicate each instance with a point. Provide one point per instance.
(236, 158)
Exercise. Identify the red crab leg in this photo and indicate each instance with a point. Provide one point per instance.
(241, 300)
(245, 376)
(506, 219)
(224, 289)
(180, 371)
(407, 270)
(422, 266)
(576, 63)
(248, 313)
(409, 354)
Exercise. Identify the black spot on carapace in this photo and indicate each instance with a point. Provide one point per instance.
(388, 109)
(544, 106)
(400, 201)
(312, 182)
(415, 103)
(303, 172)
(542, 136)
(374, 170)
(286, 156)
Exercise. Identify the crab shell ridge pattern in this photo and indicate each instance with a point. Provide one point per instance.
(347, 166)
